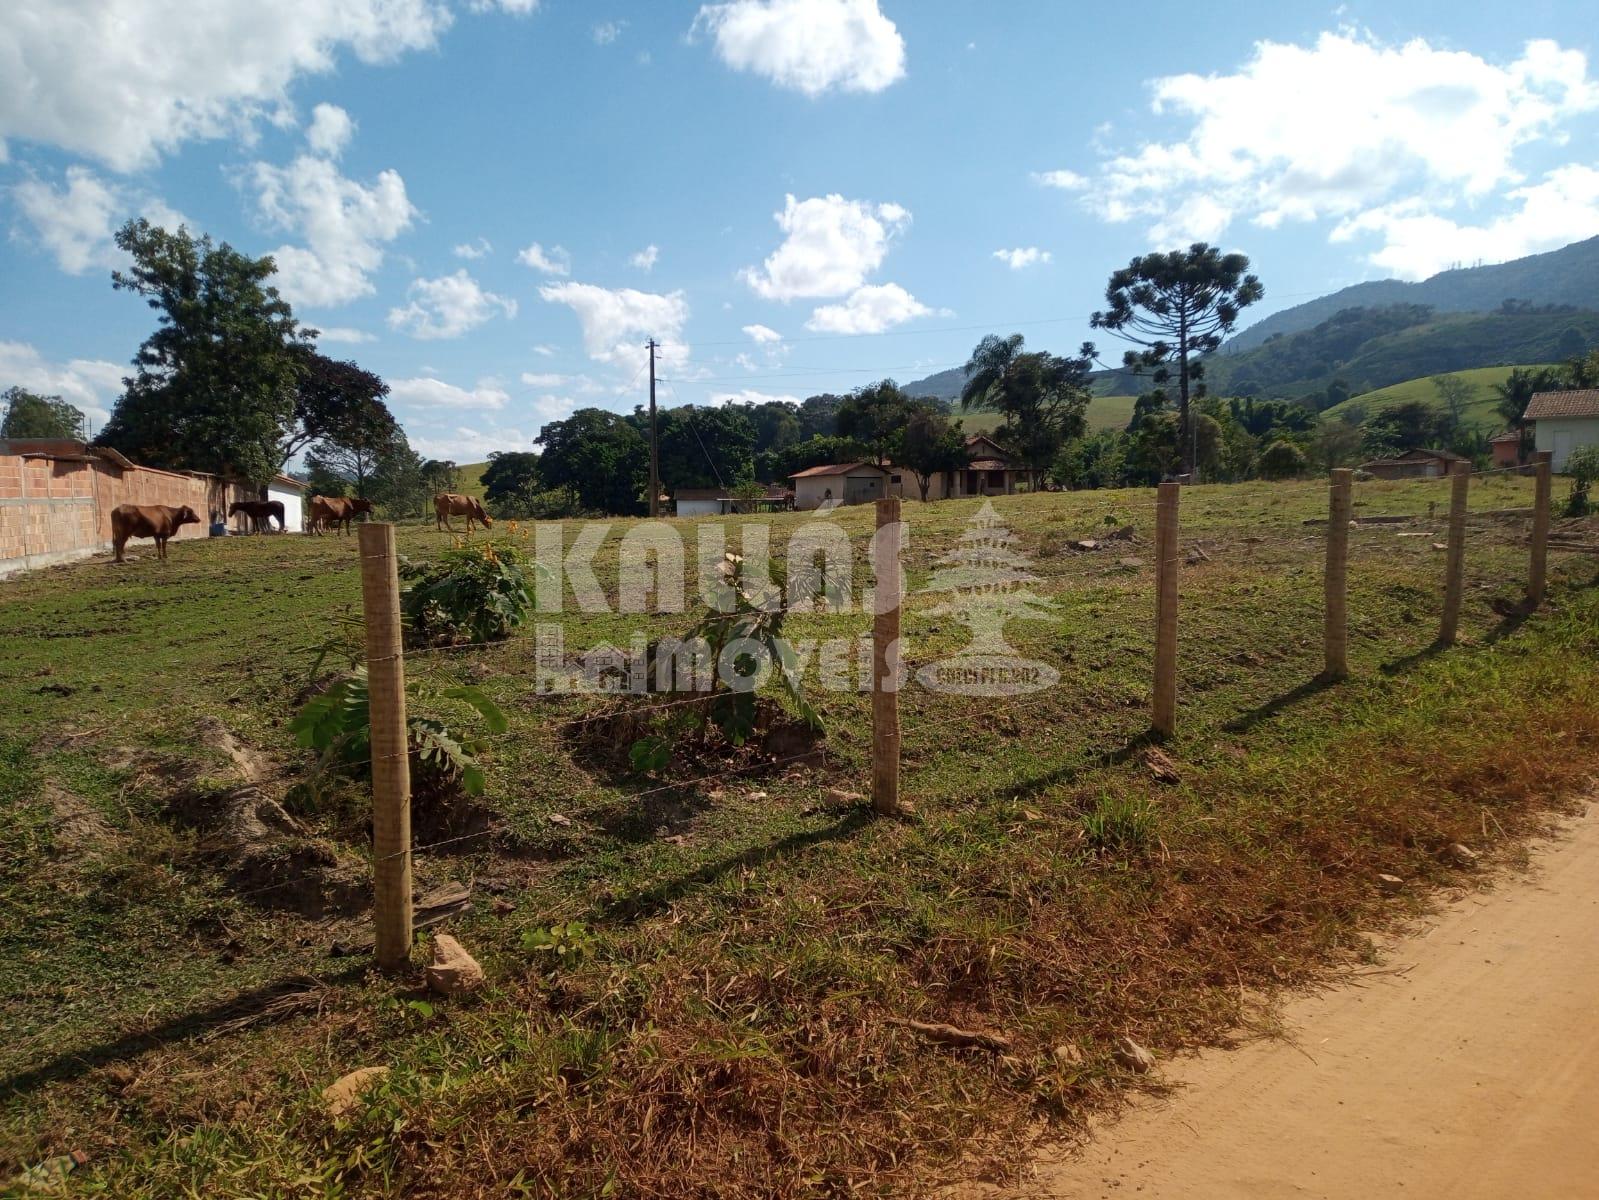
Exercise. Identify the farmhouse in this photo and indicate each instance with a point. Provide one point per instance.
(291, 494)
(991, 471)
(841, 483)
(1564, 422)
(1414, 464)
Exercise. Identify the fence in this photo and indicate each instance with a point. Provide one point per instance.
(55, 504)
(391, 820)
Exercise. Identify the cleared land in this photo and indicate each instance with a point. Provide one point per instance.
(1480, 411)
(730, 1026)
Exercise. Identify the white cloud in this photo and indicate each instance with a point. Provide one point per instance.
(810, 46)
(761, 335)
(1066, 181)
(543, 379)
(750, 396)
(473, 250)
(92, 385)
(607, 32)
(831, 246)
(1417, 242)
(344, 335)
(554, 261)
(465, 444)
(1022, 257)
(617, 322)
(545, 351)
(427, 393)
(76, 222)
(448, 307)
(517, 8)
(870, 309)
(646, 258)
(344, 225)
(1336, 128)
(330, 130)
(125, 81)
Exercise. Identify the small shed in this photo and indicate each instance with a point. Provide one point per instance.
(1506, 448)
(290, 493)
(703, 502)
(839, 483)
(1564, 422)
(1421, 463)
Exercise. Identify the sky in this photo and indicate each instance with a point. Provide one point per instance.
(494, 203)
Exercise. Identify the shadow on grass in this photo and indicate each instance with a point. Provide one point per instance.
(265, 1005)
(657, 899)
(1265, 712)
(1070, 771)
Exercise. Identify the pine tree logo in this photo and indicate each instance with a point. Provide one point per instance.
(987, 581)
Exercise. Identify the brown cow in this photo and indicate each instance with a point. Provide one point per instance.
(260, 512)
(451, 504)
(336, 511)
(158, 521)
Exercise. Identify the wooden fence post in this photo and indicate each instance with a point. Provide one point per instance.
(1340, 506)
(1538, 577)
(1455, 571)
(887, 599)
(391, 765)
(1165, 704)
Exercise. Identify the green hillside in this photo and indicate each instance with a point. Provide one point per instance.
(1372, 348)
(472, 478)
(1480, 412)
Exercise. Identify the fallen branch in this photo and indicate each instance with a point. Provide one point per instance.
(950, 1035)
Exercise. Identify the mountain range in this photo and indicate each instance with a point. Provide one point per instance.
(1539, 309)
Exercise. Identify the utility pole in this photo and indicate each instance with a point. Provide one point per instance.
(655, 445)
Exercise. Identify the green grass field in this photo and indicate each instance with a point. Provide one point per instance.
(1480, 412)
(729, 1022)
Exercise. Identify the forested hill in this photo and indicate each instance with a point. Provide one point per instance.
(1569, 275)
(1370, 348)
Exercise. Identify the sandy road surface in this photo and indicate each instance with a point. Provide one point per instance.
(1472, 1075)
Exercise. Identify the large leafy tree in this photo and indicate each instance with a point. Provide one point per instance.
(29, 415)
(334, 402)
(510, 473)
(776, 423)
(931, 443)
(215, 385)
(818, 415)
(703, 447)
(1043, 397)
(875, 416)
(600, 457)
(775, 466)
(1177, 307)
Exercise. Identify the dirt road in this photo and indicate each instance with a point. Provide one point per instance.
(1472, 1074)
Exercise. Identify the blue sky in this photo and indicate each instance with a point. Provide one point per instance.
(494, 203)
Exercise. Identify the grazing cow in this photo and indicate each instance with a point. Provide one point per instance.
(259, 512)
(336, 511)
(158, 521)
(450, 504)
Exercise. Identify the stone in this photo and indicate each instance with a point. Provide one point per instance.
(344, 1093)
(502, 907)
(1462, 856)
(842, 798)
(453, 971)
(1390, 884)
(1068, 1055)
(1133, 1056)
(560, 819)
(756, 796)
(1132, 560)
(1086, 544)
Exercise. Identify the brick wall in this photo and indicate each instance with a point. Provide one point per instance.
(57, 508)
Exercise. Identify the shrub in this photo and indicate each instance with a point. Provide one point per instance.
(469, 594)
(337, 724)
(1119, 823)
(1583, 467)
(1281, 460)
